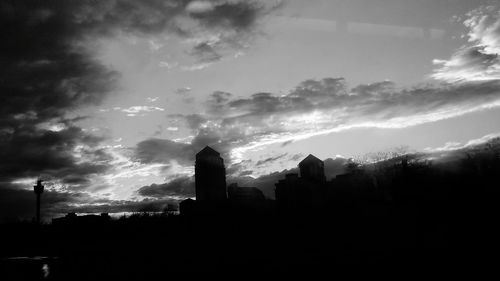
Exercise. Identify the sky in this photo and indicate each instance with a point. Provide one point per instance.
(109, 101)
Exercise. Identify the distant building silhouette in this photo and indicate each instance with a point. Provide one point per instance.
(249, 199)
(304, 193)
(210, 176)
(38, 188)
(171, 209)
(312, 169)
(187, 207)
(292, 194)
(74, 220)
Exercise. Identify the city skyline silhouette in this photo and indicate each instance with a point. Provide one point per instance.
(145, 139)
(369, 216)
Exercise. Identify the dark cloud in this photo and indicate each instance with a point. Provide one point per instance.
(237, 168)
(219, 97)
(49, 71)
(205, 53)
(194, 120)
(163, 151)
(245, 173)
(182, 186)
(297, 157)
(30, 152)
(217, 101)
(378, 100)
(285, 143)
(233, 14)
(270, 159)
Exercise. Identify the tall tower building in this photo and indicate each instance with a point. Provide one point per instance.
(312, 169)
(38, 188)
(210, 176)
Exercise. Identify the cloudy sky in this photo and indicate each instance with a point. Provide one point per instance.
(108, 101)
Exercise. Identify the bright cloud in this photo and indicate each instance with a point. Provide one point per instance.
(478, 60)
(453, 145)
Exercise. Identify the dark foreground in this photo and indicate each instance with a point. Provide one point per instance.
(157, 248)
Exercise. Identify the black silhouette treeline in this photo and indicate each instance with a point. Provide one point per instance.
(401, 213)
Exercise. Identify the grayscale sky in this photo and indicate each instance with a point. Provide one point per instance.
(147, 84)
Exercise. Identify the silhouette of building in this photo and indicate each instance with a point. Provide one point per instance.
(210, 177)
(38, 188)
(304, 193)
(74, 219)
(312, 169)
(292, 194)
(187, 207)
(171, 209)
(249, 199)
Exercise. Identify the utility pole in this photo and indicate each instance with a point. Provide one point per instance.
(38, 191)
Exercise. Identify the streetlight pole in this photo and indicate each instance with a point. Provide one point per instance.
(38, 188)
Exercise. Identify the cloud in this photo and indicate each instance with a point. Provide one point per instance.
(478, 60)
(182, 187)
(270, 159)
(136, 110)
(192, 121)
(169, 152)
(163, 151)
(200, 7)
(454, 145)
(239, 14)
(317, 107)
(49, 71)
(183, 91)
(221, 28)
(469, 83)
(168, 65)
(32, 153)
(205, 53)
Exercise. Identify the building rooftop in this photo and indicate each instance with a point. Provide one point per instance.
(310, 159)
(207, 151)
